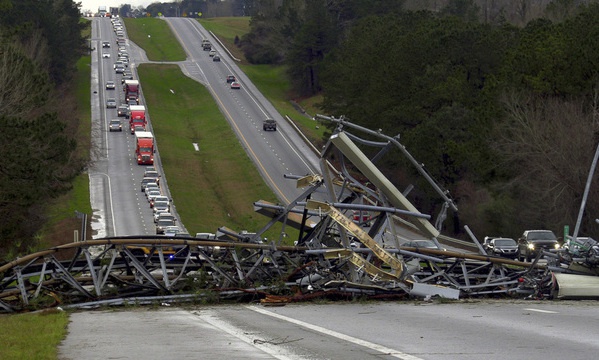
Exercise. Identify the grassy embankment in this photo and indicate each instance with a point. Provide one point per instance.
(217, 185)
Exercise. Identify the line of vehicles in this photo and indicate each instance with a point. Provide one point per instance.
(137, 125)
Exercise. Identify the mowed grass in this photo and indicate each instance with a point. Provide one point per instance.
(217, 185)
(155, 37)
(227, 29)
(32, 336)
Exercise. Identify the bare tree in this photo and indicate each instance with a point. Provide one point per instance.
(23, 87)
(549, 143)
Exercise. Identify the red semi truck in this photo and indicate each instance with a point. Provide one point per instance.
(144, 149)
(131, 89)
(137, 117)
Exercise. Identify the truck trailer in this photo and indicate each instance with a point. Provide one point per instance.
(144, 149)
(137, 116)
(131, 89)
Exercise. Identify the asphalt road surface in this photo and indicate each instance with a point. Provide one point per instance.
(386, 330)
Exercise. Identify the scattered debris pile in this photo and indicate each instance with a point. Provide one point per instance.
(350, 243)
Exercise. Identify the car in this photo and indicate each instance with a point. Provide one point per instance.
(533, 242)
(166, 215)
(422, 244)
(110, 85)
(118, 63)
(230, 79)
(122, 110)
(105, 44)
(106, 55)
(145, 182)
(269, 125)
(133, 102)
(501, 246)
(159, 198)
(157, 214)
(216, 58)
(235, 85)
(119, 69)
(161, 205)
(151, 194)
(115, 125)
(110, 103)
(152, 187)
(137, 128)
(153, 174)
(126, 77)
(212, 52)
(161, 224)
(171, 231)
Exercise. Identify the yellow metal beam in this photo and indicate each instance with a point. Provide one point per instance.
(376, 177)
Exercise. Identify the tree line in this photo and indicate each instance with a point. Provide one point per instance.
(502, 114)
(40, 43)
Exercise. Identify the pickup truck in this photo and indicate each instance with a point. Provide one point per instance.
(533, 242)
(269, 125)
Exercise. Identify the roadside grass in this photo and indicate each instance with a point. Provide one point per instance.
(217, 185)
(227, 29)
(32, 336)
(156, 38)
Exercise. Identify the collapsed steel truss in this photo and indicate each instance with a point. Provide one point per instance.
(335, 255)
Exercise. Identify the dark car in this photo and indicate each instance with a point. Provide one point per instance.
(122, 110)
(504, 247)
(269, 125)
(126, 77)
(533, 242)
(230, 79)
(216, 58)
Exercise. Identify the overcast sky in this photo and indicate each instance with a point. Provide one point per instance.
(94, 4)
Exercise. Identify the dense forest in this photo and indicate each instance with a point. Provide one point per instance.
(498, 98)
(502, 114)
(40, 43)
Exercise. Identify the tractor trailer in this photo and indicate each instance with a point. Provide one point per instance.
(144, 148)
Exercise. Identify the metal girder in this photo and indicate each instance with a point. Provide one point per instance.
(335, 255)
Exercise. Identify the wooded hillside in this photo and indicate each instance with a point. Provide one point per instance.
(502, 115)
(40, 42)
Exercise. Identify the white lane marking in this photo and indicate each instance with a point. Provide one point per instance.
(276, 352)
(367, 344)
(543, 311)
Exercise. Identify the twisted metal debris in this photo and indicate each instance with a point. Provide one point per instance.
(349, 244)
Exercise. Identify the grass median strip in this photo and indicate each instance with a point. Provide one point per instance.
(155, 37)
(217, 185)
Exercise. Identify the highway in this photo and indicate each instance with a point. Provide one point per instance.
(464, 329)
(275, 153)
(119, 206)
